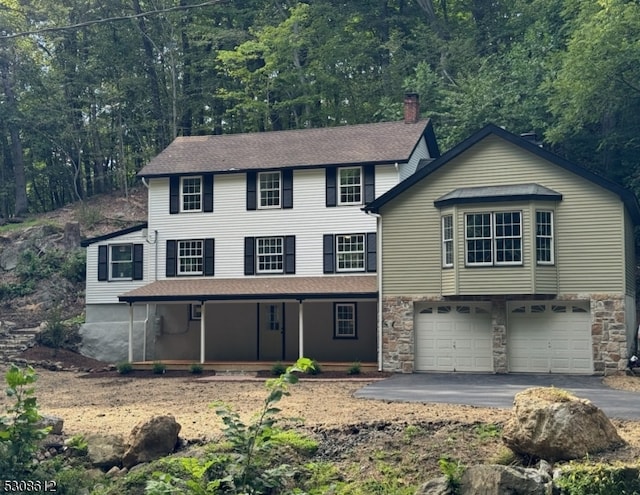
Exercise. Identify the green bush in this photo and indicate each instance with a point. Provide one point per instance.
(278, 368)
(598, 479)
(19, 430)
(314, 368)
(57, 333)
(74, 267)
(196, 369)
(159, 368)
(124, 368)
(354, 369)
(12, 290)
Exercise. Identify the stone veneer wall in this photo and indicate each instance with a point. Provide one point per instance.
(608, 332)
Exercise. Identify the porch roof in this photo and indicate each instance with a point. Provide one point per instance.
(276, 288)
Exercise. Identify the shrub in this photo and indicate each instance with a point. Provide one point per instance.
(598, 479)
(159, 368)
(452, 471)
(74, 267)
(354, 369)
(78, 444)
(278, 369)
(196, 369)
(314, 368)
(19, 431)
(56, 333)
(124, 368)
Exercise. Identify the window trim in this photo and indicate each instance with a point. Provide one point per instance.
(551, 238)
(354, 320)
(179, 257)
(281, 255)
(363, 253)
(195, 311)
(183, 194)
(259, 189)
(447, 242)
(493, 239)
(111, 262)
(340, 186)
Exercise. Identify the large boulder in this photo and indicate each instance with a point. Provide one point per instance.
(105, 451)
(504, 480)
(151, 440)
(553, 424)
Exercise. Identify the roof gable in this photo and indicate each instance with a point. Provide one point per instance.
(427, 169)
(385, 142)
(113, 235)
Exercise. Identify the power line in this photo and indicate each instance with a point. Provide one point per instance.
(108, 19)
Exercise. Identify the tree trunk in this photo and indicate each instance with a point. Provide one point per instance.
(21, 204)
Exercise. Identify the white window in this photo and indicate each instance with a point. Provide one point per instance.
(269, 189)
(270, 255)
(350, 253)
(447, 240)
(494, 238)
(191, 191)
(544, 237)
(345, 322)
(190, 258)
(350, 186)
(121, 261)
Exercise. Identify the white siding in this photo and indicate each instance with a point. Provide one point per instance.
(230, 221)
(107, 292)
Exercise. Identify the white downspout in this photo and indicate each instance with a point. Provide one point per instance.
(202, 332)
(144, 340)
(130, 332)
(378, 218)
(300, 329)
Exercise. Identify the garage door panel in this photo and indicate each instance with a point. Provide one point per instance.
(461, 336)
(549, 337)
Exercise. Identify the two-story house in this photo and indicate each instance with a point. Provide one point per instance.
(256, 247)
(500, 256)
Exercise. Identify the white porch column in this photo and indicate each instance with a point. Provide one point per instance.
(300, 329)
(202, 327)
(130, 333)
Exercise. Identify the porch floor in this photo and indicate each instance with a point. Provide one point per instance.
(242, 366)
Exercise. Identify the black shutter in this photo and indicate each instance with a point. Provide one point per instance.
(287, 188)
(207, 196)
(251, 190)
(103, 263)
(209, 255)
(138, 254)
(331, 186)
(172, 259)
(290, 254)
(328, 253)
(371, 264)
(369, 183)
(174, 194)
(249, 256)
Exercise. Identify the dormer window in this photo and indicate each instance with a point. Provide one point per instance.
(269, 191)
(350, 186)
(191, 193)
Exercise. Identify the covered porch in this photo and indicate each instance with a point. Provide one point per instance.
(253, 323)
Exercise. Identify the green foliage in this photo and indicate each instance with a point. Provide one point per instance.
(410, 432)
(314, 368)
(598, 479)
(88, 216)
(291, 438)
(19, 430)
(278, 368)
(74, 267)
(159, 368)
(452, 471)
(486, 431)
(354, 369)
(32, 266)
(57, 333)
(124, 368)
(78, 444)
(196, 369)
(10, 290)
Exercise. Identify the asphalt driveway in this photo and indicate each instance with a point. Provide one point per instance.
(489, 390)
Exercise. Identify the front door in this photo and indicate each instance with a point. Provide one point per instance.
(271, 331)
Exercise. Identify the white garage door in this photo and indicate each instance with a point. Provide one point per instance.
(453, 337)
(549, 337)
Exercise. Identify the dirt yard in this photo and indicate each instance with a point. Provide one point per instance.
(353, 430)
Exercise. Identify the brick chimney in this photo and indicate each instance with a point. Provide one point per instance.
(411, 108)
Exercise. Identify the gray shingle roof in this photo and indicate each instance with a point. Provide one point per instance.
(384, 142)
(497, 193)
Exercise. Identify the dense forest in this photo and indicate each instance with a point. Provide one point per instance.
(91, 90)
